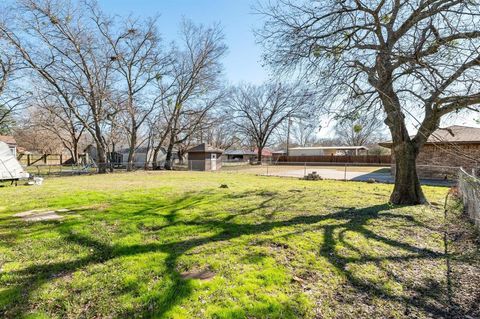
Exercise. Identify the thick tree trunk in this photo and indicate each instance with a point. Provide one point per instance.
(259, 155)
(156, 151)
(102, 160)
(75, 152)
(407, 189)
(168, 158)
(131, 151)
(180, 157)
(102, 156)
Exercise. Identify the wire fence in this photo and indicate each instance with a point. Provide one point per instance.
(53, 170)
(469, 188)
(322, 170)
(439, 175)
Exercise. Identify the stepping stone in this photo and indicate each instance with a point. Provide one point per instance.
(27, 213)
(51, 215)
(36, 215)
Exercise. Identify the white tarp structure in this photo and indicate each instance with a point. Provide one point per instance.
(10, 168)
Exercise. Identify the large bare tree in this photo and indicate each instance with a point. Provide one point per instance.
(58, 41)
(412, 58)
(12, 96)
(48, 112)
(139, 61)
(191, 89)
(257, 111)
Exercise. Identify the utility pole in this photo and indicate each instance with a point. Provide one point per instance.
(288, 134)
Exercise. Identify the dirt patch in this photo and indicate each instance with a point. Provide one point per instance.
(38, 215)
(198, 274)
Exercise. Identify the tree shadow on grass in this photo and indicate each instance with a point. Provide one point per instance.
(354, 220)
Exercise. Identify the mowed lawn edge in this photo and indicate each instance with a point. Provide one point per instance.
(176, 245)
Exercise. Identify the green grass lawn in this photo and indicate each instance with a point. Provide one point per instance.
(176, 245)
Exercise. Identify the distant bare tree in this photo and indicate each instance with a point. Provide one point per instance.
(139, 62)
(37, 139)
(304, 133)
(191, 90)
(257, 111)
(359, 130)
(12, 97)
(219, 133)
(417, 58)
(50, 114)
(56, 39)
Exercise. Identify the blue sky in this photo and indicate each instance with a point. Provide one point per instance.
(243, 62)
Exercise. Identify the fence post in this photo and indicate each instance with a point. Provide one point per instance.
(345, 174)
(305, 169)
(28, 159)
(267, 168)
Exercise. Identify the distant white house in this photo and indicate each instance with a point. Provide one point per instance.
(119, 158)
(327, 150)
(144, 154)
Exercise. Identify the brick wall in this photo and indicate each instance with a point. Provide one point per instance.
(442, 160)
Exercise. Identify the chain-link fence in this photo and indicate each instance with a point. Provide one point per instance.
(469, 188)
(53, 170)
(435, 175)
(367, 172)
(337, 171)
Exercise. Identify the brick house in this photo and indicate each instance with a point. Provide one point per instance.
(447, 150)
(10, 141)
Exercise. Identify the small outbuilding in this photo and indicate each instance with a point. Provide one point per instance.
(204, 157)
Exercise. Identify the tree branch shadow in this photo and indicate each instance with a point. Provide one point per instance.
(354, 220)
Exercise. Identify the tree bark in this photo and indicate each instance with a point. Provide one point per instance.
(407, 189)
(101, 158)
(259, 155)
(168, 158)
(180, 157)
(131, 151)
(75, 152)
(156, 151)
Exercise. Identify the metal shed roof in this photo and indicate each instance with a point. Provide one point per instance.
(204, 148)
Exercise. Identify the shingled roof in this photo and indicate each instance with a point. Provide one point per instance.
(453, 134)
(204, 148)
(10, 140)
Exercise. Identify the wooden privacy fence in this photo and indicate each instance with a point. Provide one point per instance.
(361, 159)
(41, 159)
